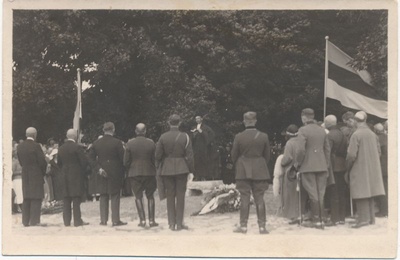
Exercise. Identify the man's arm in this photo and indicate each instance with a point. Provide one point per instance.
(127, 157)
(159, 152)
(267, 150)
(40, 158)
(352, 152)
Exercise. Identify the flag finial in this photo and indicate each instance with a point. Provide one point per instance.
(326, 37)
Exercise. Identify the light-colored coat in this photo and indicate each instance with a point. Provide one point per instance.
(364, 165)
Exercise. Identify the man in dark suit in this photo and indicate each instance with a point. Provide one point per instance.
(72, 162)
(33, 162)
(139, 159)
(107, 155)
(203, 141)
(250, 154)
(315, 163)
(174, 155)
(337, 191)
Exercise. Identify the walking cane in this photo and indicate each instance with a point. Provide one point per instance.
(299, 191)
(351, 207)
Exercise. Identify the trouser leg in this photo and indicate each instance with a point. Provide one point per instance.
(181, 181)
(371, 211)
(67, 211)
(26, 212)
(104, 201)
(321, 179)
(170, 186)
(76, 202)
(340, 186)
(309, 183)
(258, 189)
(35, 211)
(244, 188)
(363, 210)
(115, 204)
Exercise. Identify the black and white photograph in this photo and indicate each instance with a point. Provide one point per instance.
(188, 129)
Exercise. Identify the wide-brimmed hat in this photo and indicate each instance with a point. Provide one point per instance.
(292, 130)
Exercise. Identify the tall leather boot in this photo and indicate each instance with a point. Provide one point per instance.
(140, 209)
(261, 217)
(152, 206)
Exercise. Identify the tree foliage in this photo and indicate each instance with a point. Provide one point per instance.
(144, 65)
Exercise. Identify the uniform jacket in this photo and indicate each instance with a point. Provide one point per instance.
(174, 157)
(338, 144)
(31, 158)
(139, 158)
(72, 162)
(250, 154)
(315, 146)
(364, 165)
(108, 153)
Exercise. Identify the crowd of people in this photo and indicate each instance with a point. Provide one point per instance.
(323, 166)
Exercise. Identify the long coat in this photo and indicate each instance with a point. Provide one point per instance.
(33, 162)
(202, 149)
(364, 165)
(290, 197)
(73, 163)
(174, 154)
(108, 153)
(139, 157)
(250, 154)
(315, 147)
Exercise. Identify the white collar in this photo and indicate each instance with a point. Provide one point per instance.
(30, 138)
(71, 140)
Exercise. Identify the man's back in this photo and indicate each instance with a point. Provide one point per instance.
(251, 153)
(139, 157)
(30, 155)
(109, 148)
(316, 148)
(175, 149)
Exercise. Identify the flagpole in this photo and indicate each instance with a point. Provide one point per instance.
(326, 73)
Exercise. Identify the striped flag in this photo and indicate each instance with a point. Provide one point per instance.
(352, 88)
(78, 109)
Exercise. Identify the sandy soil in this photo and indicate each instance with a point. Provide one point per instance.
(212, 223)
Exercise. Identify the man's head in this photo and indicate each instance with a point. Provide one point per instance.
(250, 118)
(72, 134)
(307, 115)
(174, 120)
(109, 128)
(199, 119)
(31, 132)
(379, 128)
(330, 121)
(360, 118)
(140, 129)
(348, 119)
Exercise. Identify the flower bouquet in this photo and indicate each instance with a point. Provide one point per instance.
(224, 198)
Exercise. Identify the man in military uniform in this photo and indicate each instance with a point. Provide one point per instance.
(140, 162)
(174, 155)
(107, 155)
(33, 162)
(314, 165)
(250, 154)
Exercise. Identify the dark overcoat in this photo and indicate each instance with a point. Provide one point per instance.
(72, 162)
(33, 163)
(174, 154)
(250, 154)
(139, 158)
(203, 149)
(108, 153)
